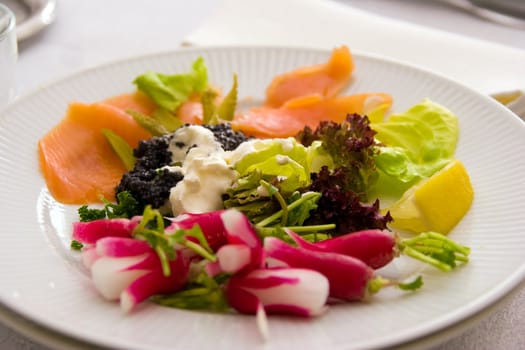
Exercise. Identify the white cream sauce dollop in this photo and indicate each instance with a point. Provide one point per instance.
(207, 175)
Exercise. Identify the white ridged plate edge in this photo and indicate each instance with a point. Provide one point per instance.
(41, 279)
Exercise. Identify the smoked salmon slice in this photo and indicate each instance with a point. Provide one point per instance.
(75, 158)
(136, 101)
(189, 112)
(327, 79)
(294, 115)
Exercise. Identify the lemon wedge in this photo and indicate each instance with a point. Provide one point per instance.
(435, 204)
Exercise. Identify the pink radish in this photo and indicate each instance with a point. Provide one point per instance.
(90, 232)
(243, 251)
(352, 279)
(130, 270)
(241, 236)
(233, 257)
(290, 291)
(154, 283)
(210, 224)
(375, 248)
(349, 277)
(89, 256)
(118, 247)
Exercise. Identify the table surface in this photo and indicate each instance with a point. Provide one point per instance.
(88, 33)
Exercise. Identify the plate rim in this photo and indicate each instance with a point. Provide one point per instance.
(366, 55)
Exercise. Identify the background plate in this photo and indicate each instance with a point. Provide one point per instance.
(42, 279)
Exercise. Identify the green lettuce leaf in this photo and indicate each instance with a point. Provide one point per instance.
(317, 157)
(170, 91)
(271, 173)
(284, 158)
(418, 143)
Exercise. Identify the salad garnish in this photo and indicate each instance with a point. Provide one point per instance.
(171, 91)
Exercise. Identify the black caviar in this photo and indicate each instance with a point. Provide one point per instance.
(226, 136)
(153, 153)
(149, 186)
(148, 182)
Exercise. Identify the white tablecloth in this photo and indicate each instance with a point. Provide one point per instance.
(87, 33)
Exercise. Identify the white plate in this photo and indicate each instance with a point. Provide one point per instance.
(42, 280)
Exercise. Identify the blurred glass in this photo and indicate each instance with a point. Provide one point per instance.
(8, 55)
(514, 8)
(510, 13)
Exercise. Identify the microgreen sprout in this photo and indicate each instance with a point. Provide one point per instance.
(76, 245)
(435, 249)
(202, 293)
(377, 283)
(152, 229)
(277, 215)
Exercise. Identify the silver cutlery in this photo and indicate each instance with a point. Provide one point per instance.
(514, 100)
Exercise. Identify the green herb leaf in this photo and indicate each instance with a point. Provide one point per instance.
(213, 114)
(226, 109)
(305, 197)
(298, 215)
(204, 293)
(126, 207)
(209, 109)
(151, 229)
(121, 148)
(152, 125)
(196, 232)
(168, 120)
(76, 245)
(202, 248)
(87, 214)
